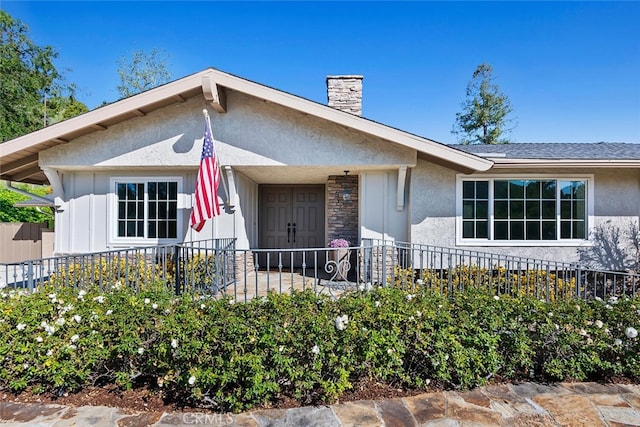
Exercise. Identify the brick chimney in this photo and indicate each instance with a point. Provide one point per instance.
(345, 93)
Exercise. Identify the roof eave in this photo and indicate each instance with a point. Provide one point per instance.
(502, 163)
(203, 83)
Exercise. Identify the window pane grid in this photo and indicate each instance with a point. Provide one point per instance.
(159, 219)
(162, 204)
(525, 209)
(130, 209)
(475, 207)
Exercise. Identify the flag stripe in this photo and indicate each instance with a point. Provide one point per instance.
(206, 204)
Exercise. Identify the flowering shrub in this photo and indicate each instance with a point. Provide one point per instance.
(214, 352)
(339, 243)
(537, 283)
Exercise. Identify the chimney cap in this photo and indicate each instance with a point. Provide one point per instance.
(346, 76)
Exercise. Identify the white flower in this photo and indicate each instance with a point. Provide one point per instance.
(49, 352)
(377, 303)
(117, 285)
(192, 380)
(140, 350)
(341, 322)
(420, 282)
(496, 297)
(71, 347)
(598, 299)
(99, 298)
(75, 338)
(599, 323)
(608, 307)
(439, 305)
(154, 306)
(411, 318)
(582, 332)
(202, 306)
(81, 294)
(66, 308)
(39, 339)
(281, 348)
(109, 312)
(52, 296)
(617, 341)
(50, 330)
(409, 297)
(418, 314)
(315, 349)
(389, 351)
(577, 307)
(174, 343)
(20, 326)
(613, 300)
(25, 366)
(631, 332)
(77, 318)
(60, 321)
(550, 314)
(147, 300)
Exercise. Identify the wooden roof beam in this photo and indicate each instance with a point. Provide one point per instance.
(25, 173)
(25, 161)
(214, 94)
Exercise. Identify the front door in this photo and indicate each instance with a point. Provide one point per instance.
(291, 217)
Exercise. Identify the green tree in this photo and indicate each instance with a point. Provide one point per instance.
(143, 71)
(10, 213)
(484, 119)
(28, 78)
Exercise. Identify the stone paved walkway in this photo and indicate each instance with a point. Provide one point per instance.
(528, 404)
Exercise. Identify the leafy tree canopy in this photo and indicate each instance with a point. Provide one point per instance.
(10, 213)
(143, 71)
(484, 117)
(28, 78)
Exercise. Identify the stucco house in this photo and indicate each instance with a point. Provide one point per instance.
(298, 173)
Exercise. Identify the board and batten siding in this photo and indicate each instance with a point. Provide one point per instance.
(379, 216)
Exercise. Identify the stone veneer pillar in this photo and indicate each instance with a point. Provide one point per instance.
(345, 93)
(342, 215)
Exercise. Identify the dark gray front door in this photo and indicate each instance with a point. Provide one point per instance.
(291, 217)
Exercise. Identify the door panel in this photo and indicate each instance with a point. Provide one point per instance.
(291, 217)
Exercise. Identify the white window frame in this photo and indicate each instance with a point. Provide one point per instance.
(114, 239)
(589, 217)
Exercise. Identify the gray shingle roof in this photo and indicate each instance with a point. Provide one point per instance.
(583, 151)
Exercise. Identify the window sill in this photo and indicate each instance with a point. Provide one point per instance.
(525, 244)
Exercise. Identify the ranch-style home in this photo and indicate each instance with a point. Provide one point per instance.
(297, 174)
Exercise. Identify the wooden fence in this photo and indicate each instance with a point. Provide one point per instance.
(24, 241)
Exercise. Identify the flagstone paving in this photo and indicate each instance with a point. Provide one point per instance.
(526, 405)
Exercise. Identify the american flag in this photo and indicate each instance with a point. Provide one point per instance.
(206, 203)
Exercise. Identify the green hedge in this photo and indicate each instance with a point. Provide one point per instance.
(234, 356)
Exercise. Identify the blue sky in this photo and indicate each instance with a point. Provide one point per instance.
(570, 69)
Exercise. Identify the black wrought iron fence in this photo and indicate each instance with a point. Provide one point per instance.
(450, 269)
(216, 267)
